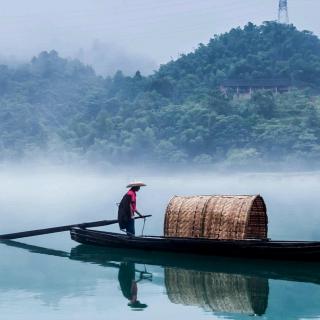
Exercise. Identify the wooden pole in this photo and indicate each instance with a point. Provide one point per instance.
(39, 232)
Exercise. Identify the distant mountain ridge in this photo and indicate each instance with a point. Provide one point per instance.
(60, 109)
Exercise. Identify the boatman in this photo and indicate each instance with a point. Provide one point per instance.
(128, 207)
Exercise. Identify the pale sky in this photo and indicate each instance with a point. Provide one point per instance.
(152, 31)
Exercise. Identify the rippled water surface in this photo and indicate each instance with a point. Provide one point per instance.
(52, 277)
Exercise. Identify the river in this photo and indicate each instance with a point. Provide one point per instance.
(53, 277)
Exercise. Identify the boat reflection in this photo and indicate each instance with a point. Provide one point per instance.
(219, 285)
(267, 269)
(210, 290)
(217, 292)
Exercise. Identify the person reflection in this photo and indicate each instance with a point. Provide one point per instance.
(128, 285)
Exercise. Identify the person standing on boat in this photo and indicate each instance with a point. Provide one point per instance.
(128, 207)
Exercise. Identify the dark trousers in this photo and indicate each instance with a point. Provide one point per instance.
(130, 228)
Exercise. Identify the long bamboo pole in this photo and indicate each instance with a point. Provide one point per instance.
(39, 232)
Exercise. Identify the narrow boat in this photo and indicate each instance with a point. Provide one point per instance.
(253, 248)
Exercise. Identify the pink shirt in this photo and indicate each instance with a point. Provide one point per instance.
(133, 204)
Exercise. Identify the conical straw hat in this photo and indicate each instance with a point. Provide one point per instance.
(136, 184)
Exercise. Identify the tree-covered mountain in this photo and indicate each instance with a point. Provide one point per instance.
(59, 108)
(269, 51)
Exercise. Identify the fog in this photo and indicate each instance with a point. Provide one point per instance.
(140, 34)
(108, 58)
(51, 196)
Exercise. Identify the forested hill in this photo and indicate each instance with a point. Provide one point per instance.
(59, 109)
(270, 51)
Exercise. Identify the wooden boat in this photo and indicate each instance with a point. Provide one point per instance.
(258, 249)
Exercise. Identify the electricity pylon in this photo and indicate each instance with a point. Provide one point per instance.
(283, 16)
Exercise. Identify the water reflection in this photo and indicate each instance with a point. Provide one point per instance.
(232, 287)
(218, 292)
(129, 283)
(267, 269)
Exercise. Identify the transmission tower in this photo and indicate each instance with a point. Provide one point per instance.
(283, 16)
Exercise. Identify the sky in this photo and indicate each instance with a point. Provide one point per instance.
(131, 34)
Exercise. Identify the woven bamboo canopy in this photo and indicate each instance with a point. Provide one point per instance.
(217, 217)
(219, 292)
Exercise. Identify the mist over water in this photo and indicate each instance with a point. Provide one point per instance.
(53, 277)
(41, 197)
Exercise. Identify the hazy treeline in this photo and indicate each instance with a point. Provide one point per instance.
(59, 108)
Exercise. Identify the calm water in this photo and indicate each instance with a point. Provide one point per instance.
(51, 277)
